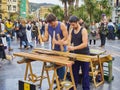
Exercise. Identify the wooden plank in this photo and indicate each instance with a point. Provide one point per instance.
(45, 58)
(105, 58)
(40, 36)
(62, 53)
(80, 57)
(97, 51)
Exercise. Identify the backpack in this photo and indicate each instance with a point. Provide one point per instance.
(110, 28)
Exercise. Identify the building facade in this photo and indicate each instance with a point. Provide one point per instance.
(44, 11)
(9, 8)
(3, 9)
(117, 10)
(41, 12)
(13, 8)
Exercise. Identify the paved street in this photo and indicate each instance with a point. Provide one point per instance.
(11, 72)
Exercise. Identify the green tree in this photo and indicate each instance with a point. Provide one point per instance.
(29, 17)
(65, 9)
(57, 11)
(71, 7)
(76, 3)
(81, 13)
(96, 8)
(103, 6)
(90, 11)
(90, 7)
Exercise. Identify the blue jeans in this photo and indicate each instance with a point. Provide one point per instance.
(8, 41)
(61, 71)
(111, 34)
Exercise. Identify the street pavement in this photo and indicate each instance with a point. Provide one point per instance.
(11, 72)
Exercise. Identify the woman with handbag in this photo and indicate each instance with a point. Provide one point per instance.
(92, 34)
(29, 33)
(22, 35)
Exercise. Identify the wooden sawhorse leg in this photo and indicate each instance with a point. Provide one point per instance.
(42, 75)
(55, 76)
(28, 66)
(95, 72)
(72, 78)
(64, 82)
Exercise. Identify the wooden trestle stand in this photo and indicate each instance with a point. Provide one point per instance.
(56, 57)
(95, 62)
(47, 58)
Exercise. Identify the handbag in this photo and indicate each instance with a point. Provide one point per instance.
(93, 33)
(20, 34)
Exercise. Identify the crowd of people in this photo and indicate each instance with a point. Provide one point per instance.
(74, 30)
(26, 31)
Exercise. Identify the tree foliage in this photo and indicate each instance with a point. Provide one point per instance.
(29, 17)
(90, 11)
(57, 10)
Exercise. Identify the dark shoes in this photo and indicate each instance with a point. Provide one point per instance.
(10, 49)
(102, 46)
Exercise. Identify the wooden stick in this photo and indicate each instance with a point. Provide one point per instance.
(69, 37)
(61, 46)
(40, 36)
(53, 44)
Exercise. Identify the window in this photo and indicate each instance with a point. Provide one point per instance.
(9, 7)
(14, 8)
(9, 0)
(14, 0)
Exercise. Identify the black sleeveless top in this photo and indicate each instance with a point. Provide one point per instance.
(77, 40)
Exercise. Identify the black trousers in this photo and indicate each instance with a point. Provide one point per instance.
(103, 39)
(2, 52)
(118, 34)
(23, 39)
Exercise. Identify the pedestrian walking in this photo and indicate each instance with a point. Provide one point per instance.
(9, 28)
(29, 33)
(22, 35)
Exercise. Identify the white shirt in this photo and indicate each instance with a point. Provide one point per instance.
(2, 27)
(111, 24)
